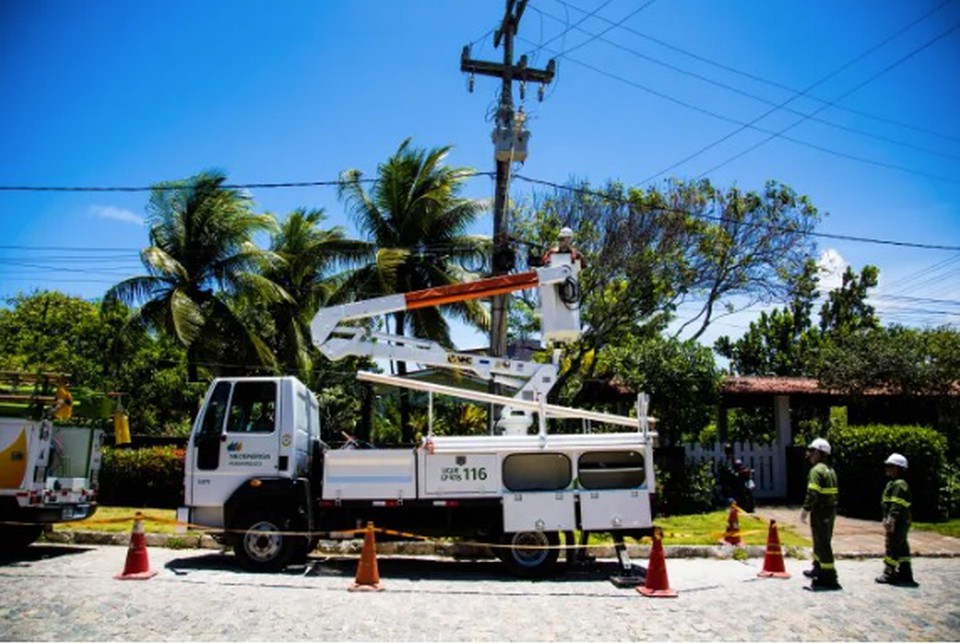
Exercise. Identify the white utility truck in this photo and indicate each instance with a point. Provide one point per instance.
(48, 472)
(259, 472)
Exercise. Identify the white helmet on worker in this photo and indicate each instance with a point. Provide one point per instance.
(566, 231)
(820, 445)
(896, 459)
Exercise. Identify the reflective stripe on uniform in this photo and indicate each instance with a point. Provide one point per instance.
(896, 499)
(822, 490)
(827, 566)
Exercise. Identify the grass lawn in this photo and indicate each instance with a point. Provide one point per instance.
(949, 528)
(708, 528)
(117, 519)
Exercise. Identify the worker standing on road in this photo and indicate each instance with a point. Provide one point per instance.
(821, 507)
(895, 502)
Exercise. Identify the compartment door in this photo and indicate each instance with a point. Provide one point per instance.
(541, 511)
(603, 510)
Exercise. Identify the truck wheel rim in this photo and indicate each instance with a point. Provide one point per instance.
(529, 548)
(263, 541)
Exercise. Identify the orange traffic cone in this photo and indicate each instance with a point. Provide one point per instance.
(656, 583)
(368, 575)
(773, 561)
(138, 563)
(732, 535)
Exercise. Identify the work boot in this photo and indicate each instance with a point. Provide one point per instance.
(821, 584)
(825, 580)
(813, 572)
(889, 575)
(904, 576)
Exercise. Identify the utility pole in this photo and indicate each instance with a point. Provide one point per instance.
(510, 144)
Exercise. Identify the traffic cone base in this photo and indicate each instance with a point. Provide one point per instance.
(732, 534)
(137, 565)
(368, 574)
(773, 561)
(656, 583)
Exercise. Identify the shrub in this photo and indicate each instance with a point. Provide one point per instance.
(141, 478)
(684, 486)
(950, 491)
(859, 453)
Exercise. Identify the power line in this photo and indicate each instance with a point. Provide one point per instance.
(838, 99)
(180, 186)
(569, 28)
(716, 115)
(712, 81)
(852, 238)
(810, 87)
(526, 179)
(760, 79)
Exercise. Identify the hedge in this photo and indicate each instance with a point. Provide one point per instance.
(149, 477)
(858, 455)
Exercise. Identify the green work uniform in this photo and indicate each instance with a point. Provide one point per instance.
(896, 513)
(821, 503)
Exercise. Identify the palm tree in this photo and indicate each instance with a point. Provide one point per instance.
(200, 259)
(309, 253)
(416, 218)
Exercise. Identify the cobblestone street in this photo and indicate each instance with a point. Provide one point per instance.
(69, 593)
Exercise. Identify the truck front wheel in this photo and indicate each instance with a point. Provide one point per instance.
(17, 536)
(263, 545)
(530, 554)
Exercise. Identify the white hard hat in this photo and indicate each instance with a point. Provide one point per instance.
(566, 231)
(896, 459)
(819, 444)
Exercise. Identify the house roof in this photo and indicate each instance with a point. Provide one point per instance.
(793, 386)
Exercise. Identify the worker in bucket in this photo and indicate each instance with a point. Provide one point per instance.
(820, 505)
(895, 502)
(564, 245)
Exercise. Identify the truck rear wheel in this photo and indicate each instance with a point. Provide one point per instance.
(263, 546)
(530, 554)
(16, 537)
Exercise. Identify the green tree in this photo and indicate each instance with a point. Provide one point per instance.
(415, 217)
(648, 252)
(200, 257)
(680, 376)
(781, 342)
(309, 254)
(847, 309)
(51, 331)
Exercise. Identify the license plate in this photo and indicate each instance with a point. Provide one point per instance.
(75, 512)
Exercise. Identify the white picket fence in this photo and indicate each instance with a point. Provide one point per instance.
(768, 463)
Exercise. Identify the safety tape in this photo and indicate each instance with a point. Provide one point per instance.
(397, 533)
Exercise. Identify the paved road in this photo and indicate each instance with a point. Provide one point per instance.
(67, 592)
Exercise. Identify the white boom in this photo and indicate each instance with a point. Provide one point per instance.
(559, 317)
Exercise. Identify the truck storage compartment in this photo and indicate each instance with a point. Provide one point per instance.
(611, 470)
(369, 474)
(538, 511)
(529, 472)
(614, 509)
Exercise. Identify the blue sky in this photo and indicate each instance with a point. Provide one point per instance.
(108, 93)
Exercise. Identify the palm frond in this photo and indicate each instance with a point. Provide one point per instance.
(185, 317)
